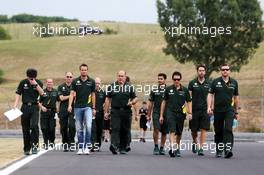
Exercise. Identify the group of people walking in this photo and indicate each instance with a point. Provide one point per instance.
(85, 109)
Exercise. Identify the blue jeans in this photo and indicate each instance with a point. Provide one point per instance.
(83, 118)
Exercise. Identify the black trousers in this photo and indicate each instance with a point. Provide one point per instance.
(67, 127)
(30, 129)
(48, 124)
(224, 138)
(97, 128)
(121, 126)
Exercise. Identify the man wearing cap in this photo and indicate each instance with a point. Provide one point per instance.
(30, 89)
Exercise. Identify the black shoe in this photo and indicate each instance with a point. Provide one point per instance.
(218, 154)
(128, 148)
(162, 151)
(178, 153)
(194, 146)
(200, 152)
(26, 153)
(34, 151)
(140, 140)
(156, 150)
(228, 154)
(172, 153)
(143, 140)
(113, 149)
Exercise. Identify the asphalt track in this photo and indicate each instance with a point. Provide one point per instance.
(248, 160)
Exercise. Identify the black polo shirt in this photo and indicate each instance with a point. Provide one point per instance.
(29, 92)
(156, 96)
(176, 99)
(49, 98)
(83, 90)
(223, 94)
(100, 99)
(199, 94)
(64, 90)
(120, 95)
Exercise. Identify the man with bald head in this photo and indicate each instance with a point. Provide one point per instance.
(47, 104)
(67, 121)
(120, 95)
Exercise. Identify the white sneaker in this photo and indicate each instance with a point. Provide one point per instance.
(86, 151)
(80, 152)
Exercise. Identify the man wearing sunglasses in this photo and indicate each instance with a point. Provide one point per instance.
(30, 89)
(67, 121)
(175, 102)
(224, 91)
(198, 89)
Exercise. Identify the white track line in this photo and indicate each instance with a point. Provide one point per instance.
(13, 167)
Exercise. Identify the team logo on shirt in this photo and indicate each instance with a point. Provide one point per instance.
(219, 84)
(63, 88)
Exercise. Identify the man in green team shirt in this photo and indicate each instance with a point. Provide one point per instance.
(30, 89)
(67, 121)
(155, 99)
(47, 104)
(83, 89)
(224, 91)
(176, 99)
(198, 89)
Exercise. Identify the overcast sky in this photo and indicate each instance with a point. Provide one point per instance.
(139, 11)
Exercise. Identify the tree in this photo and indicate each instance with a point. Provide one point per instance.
(212, 32)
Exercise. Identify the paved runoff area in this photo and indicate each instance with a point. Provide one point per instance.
(248, 159)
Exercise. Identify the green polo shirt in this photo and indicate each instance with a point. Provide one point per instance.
(176, 99)
(199, 94)
(64, 90)
(49, 98)
(29, 93)
(83, 90)
(120, 95)
(223, 94)
(100, 99)
(156, 97)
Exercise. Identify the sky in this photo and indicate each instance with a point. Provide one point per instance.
(135, 11)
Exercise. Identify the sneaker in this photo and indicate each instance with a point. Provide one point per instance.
(87, 151)
(156, 150)
(113, 149)
(228, 154)
(200, 152)
(171, 153)
(218, 154)
(26, 153)
(162, 151)
(80, 151)
(178, 153)
(34, 151)
(144, 140)
(140, 140)
(194, 146)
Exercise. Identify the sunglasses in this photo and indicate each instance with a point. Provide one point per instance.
(176, 79)
(68, 76)
(225, 69)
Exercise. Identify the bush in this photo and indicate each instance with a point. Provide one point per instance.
(4, 35)
(109, 31)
